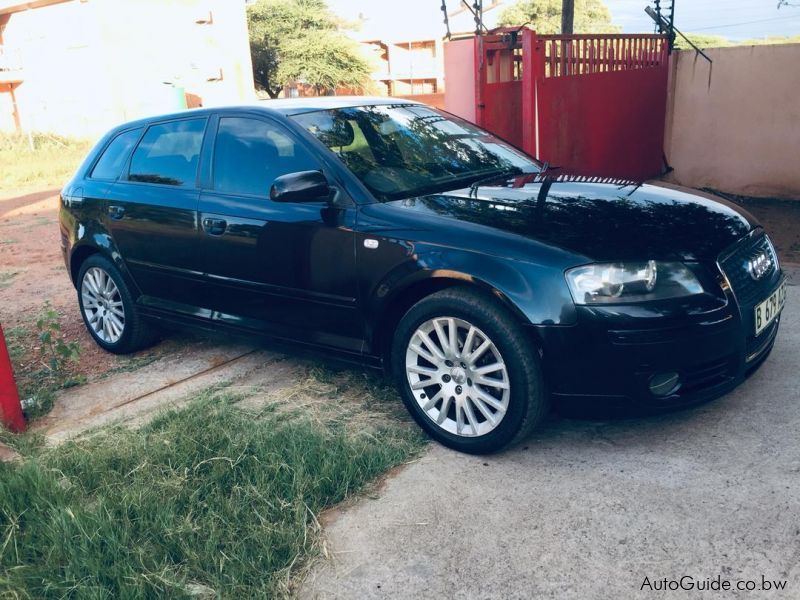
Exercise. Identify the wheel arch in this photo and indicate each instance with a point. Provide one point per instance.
(392, 310)
(101, 244)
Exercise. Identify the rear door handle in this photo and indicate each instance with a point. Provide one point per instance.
(214, 226)
(116, 212)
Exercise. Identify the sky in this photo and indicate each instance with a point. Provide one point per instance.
(734, 19)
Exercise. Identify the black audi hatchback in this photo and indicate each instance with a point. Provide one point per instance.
(405, 238)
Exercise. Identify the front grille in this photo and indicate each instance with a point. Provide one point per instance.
(735, 266)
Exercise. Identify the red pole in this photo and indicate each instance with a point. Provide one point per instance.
(10, 408)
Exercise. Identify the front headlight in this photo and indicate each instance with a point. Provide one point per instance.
(619, 283)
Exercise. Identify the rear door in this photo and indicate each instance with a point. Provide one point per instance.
(152, 213)
(287, 268)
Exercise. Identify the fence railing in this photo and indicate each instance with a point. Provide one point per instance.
(582, 54)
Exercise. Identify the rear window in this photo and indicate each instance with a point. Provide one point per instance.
(169, 153)
(111, 162)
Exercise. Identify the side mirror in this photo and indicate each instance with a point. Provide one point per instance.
(304, 186)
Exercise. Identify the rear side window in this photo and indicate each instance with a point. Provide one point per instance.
(110, 164)
(169, 153)
(249, 154)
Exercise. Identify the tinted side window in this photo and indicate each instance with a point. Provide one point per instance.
(169, 153)
(114, 156)
(249, 154)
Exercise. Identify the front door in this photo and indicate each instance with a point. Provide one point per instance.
(284, 268)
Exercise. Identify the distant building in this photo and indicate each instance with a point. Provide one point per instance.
(405, 42)
(80, 66)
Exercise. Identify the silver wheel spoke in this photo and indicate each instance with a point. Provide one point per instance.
(431, 402)
(494, 383)
(89, 301)
(489, 368)
(488, 399)
(471, 418)
(444, 410)
(468, 341)
(433, 348)
(91, 284)
(419, 369)
(459, 419)
(452, 342)
(116, 322)
(443, 340)
(484, 409)
(417, 349)
(422, 383)
(471, 399)
(479, 351)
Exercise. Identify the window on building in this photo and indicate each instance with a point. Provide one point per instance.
(249, 154)
(169, 153)
(111, 162)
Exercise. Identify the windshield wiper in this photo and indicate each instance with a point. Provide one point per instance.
(473, 188)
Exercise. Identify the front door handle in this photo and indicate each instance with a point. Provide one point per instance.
(116, 212)
(214, 226)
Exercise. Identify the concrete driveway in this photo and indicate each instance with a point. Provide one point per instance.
(589, 509)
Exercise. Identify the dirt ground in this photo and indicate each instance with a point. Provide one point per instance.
(32, 273)
(781, 218)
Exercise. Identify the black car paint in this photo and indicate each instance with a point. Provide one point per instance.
(302, 272)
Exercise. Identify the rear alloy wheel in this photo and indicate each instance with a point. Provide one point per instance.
(102, 305)
(108, 309)
(467, 372)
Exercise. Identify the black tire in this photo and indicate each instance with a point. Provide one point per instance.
(527, 403)
(137, 333)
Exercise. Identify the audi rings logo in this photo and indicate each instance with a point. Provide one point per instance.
(759, 265)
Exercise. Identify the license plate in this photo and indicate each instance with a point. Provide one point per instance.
(768, 310)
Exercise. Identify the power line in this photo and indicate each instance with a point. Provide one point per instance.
(744, 23)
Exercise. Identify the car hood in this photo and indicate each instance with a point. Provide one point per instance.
(599, 220)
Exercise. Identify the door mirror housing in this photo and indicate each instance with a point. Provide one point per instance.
(303, 186)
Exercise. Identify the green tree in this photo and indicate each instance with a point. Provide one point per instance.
(544, 16)
(300, 40)
(702, 40)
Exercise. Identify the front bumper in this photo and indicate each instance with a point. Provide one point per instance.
(612, 352)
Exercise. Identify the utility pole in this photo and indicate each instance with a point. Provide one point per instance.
(567, 16)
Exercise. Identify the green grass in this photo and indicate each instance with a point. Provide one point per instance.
(50, 163)
(208, 500)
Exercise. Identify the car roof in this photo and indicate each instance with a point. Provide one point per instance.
(282, 106)
(293, 106)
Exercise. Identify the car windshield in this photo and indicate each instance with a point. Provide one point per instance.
(401, 151)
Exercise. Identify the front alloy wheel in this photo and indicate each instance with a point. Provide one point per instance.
(467, 372)
(458, 376)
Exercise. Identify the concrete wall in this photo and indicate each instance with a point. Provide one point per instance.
(735, 125)
(459, 68)
(88, 65)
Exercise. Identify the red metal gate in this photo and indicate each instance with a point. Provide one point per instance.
(592, 104)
